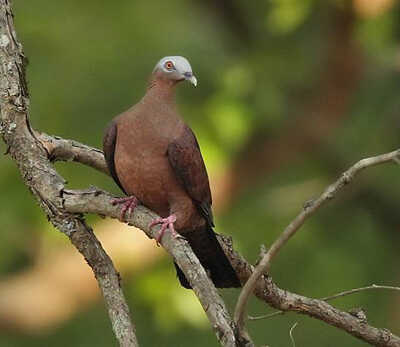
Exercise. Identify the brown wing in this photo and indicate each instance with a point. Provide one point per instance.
(109, 141)
(186, 160)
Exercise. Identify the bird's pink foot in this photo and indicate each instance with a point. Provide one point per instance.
(165, 223)
(128, 206)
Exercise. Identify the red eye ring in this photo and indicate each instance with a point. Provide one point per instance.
(169, 65)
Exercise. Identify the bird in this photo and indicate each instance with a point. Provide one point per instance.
(154, 157)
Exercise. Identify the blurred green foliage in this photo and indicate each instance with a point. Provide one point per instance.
(258, 65)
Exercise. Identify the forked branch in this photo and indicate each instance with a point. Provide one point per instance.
(98, 201)
(308, 210)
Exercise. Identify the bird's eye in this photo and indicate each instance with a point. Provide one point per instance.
(169, 65)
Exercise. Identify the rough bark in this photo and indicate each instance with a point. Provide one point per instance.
(44, 182)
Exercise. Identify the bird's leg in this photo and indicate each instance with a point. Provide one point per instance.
(165, 223)
(128, 205)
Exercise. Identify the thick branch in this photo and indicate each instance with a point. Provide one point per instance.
(97, 201)
(309, 209)
(44, 182)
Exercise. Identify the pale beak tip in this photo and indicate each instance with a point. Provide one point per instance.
(193, 80)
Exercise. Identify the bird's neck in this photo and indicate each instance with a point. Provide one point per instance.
(161, 89)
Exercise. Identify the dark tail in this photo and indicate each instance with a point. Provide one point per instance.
(208, 250)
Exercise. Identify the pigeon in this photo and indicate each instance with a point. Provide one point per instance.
(155, 159)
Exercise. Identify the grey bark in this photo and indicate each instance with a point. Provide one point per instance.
(45, 183)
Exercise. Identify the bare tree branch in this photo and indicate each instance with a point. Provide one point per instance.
(45, 183)
(331, 297)
(309, 209)
(87, 201)
(291, 334)
(357, 290)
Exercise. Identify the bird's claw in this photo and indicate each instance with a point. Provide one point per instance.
(165, 223)
(128, 206)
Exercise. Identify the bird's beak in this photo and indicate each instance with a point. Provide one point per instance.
(191, 78)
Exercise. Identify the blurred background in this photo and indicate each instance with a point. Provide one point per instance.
(290, 94)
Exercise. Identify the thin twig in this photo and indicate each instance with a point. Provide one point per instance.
(309, 209)
(357, 290)
(329, 298)
(291, 334)
(266, 316)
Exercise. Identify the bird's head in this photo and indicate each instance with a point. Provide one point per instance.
(175, 69)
